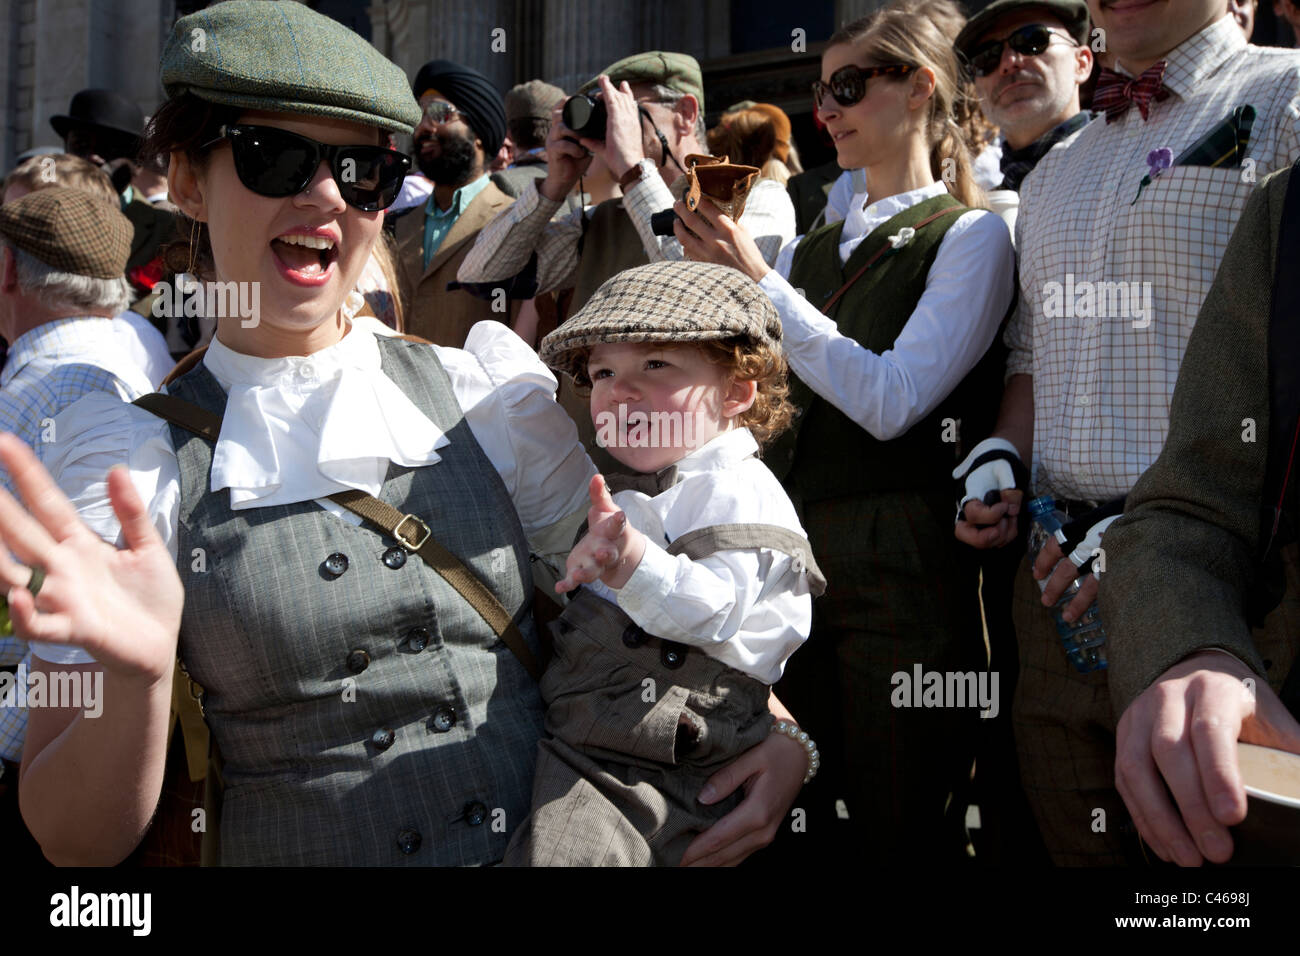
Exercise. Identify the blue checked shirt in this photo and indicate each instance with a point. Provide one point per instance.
(48, 369)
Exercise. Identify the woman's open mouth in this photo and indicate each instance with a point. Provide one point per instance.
(305, 260)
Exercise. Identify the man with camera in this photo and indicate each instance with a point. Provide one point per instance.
(644, 115)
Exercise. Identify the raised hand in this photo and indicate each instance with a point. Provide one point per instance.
(122, 606)
(610, 550)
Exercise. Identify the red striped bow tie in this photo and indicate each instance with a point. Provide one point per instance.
(1115, 92)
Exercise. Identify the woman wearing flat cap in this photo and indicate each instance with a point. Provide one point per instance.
(368, 713)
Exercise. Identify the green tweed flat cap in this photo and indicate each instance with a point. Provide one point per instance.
(1073, 15)
(666, 302)
(69, 230)
(677, 71)
(283, 57)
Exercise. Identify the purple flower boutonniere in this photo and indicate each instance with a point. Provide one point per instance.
(1158, 160)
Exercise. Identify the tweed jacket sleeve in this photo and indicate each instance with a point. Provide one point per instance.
(1180, 560)
(529, 225)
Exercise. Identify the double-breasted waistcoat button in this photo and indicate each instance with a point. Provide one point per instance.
(358, 660)
(443, 719)
(672, 655)
(408, 840)
(394, 557)
(633, 636)
(336, 563)
(383, 738)
(417, 638)
(475, 813)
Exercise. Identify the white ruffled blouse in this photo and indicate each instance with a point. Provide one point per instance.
(305, 427)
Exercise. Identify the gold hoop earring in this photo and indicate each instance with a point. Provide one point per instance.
(194, 230)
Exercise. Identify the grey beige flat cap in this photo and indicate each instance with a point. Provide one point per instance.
(284, 57)
(666, 302)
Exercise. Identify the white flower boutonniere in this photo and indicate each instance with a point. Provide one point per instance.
(903, 238)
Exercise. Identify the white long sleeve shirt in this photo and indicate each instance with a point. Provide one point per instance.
(967, 294)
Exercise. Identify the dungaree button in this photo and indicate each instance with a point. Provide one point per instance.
(673, 655)
(408, 841)
(394, 557)
(358, 660)
(444, 718)
(383, 738)
(475, 813)
(633, 636)
(417, 638)
(336, 563)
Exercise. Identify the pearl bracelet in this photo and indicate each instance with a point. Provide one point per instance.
(791, 730)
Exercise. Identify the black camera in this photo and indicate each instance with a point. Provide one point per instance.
(661, 223)
(585, 115)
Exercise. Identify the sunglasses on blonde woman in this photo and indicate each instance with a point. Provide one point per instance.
(848, 84)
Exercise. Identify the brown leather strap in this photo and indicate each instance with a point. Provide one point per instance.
(411, 532)
(826, 309)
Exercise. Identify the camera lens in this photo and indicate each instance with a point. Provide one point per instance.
(585, 115)
(661, 223)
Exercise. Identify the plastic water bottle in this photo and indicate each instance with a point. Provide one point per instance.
(1084, 640)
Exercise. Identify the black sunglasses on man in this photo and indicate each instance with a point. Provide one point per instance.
(1030, 40)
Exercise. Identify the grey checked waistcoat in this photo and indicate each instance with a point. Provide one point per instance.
(350, 736)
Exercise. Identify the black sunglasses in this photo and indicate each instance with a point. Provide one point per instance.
(275, 162)
(849, 83)
(1029, 40)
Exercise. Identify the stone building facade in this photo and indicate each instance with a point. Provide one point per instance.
(749, 49)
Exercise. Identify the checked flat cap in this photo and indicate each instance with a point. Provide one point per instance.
(285, 58)
(69, 230)
(677, 71)
(666, 302)
(1073, 15)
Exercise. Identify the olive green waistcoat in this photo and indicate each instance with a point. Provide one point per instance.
(826, 454)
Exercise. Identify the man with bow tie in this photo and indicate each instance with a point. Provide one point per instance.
(1110, 286)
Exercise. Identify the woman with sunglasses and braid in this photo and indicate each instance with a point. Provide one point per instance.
(889, 319)
(366, 710)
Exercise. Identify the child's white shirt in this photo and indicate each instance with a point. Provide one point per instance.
(750, 609)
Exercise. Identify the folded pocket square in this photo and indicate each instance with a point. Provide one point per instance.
(1224, 145)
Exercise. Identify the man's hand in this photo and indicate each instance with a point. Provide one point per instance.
(1183, 730)
(565, 159)
(624, 142)
(990, 526)
(610, 550)
(1062, 574)
(986, 520)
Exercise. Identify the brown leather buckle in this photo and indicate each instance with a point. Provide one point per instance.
(422, 530)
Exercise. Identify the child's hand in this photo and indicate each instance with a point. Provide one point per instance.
(610, 550)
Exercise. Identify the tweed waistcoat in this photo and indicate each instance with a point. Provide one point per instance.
(612, 244)
(826, 454)
(367, 715)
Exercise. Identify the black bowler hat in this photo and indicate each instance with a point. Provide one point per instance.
(105, 112)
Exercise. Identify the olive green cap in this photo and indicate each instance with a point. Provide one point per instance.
(677, 71)
(284, 57)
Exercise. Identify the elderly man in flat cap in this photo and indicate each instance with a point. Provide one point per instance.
(62, 256)
(464, 125)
